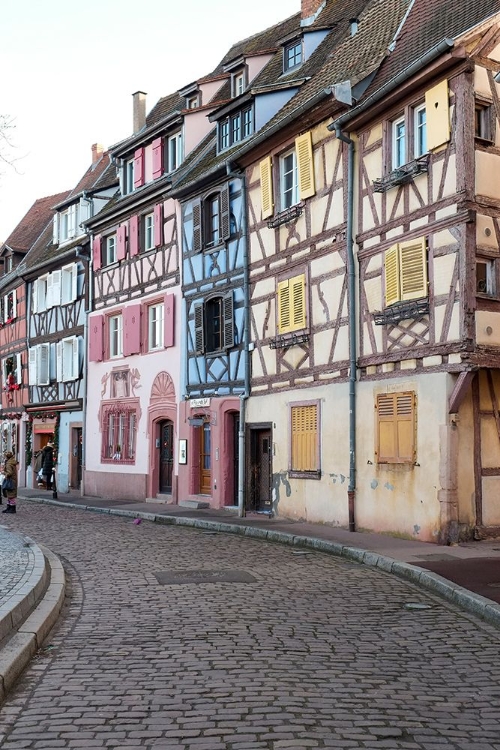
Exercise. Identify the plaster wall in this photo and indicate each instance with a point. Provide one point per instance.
(196, 127)
(487, 169)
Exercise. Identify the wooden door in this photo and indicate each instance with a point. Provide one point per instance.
(486, 401)
(205, 459)
(261, 462)
(166, 456)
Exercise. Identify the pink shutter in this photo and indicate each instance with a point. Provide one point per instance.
(139, 168)
(96, 252)
(121, 242)
(157, 158)
(132, 330)
(96, 338)
(158, 225)
(134, 236)
(169, 320)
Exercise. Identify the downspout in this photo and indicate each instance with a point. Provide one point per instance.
(246, 340)
(89, 284)
(351, 281)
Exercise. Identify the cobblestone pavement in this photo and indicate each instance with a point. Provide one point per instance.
(16, 564)
(318, 652)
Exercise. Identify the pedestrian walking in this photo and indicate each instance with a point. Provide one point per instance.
(9, 485)
(48, 464)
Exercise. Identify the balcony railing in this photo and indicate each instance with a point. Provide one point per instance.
(402, 175)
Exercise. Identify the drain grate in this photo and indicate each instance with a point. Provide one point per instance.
(166, 577)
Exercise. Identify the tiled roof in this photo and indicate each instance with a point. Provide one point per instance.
(100, 175)
(166, 106)
(33, 223)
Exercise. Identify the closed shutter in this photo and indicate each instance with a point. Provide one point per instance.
(96, 252)
(392, 291)
(413, 269)
(305, 166)
(395, 427)
(49, 298)
(121, 242)
(197, 234)
(14, 303)
(132, 330)
(139, 168)
(34, 296)
(96, 338)
(60, 374)
(56, 287)
(83, 213)
(55, 229)
(298, 302)
(74, 282)
(76, 357)
(284, 320)
(134, 236)
(304, 449)
(169, 321)
(32, 360)
(266, 187)
(157, 158)
(437, 113)
(225, 219)
(43, 364)
(158, 225)
(199, 334)
(228, 321)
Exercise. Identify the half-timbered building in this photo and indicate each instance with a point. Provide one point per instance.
(56, 273)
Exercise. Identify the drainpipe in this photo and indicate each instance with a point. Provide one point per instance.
(351, 279)
(89, 283)
(246, 340)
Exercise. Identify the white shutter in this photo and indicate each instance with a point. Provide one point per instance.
(59, 362)
(34, 296)
(4, 371)
(84, 213)
(56, 288)
(55, 228)
(43, 364)
(5, 307)
(19, 371)
(52, 362)
(14, 303)
(76, 358)
(74, 282)
(32, 365)
(48, 293)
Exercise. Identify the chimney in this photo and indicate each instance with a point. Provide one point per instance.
(97, 152)
(139, 110)
(311, 8)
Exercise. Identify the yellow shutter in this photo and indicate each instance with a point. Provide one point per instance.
(395, 427)
(266, 187)
(392, 292)
(405, 430)
(413, 269)
(305, 165)
(437, 112)
(304, 438)
(298, 302)
(284, 321)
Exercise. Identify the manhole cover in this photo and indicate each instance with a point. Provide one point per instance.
(416, 605)
(166, 577)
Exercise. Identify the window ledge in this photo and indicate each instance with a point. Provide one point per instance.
(402, 175)
(289, 339)
(285, 217)
(214, 248)
(129, 461)
(293, 474)
(402, 311)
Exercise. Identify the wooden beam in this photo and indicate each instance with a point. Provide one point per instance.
(461, 387)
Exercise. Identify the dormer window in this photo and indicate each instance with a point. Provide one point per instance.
(292, 55)
(68, 223)
(192, 102)
(236, 127)
(174, 152)
(128, 177)
(238, 83)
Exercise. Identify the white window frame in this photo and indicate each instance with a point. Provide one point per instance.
(238, 84)
(69, 283)
(115, 328)
(68, 359)
(128, 177)
(155, 326)
(420, 131)
(149, 232)
(40, 293)
(39, 364)
(68, 223)
(490, 277)
(399, 157)
(5, 313)
(110, 249)
(289, 196)
(174, 151)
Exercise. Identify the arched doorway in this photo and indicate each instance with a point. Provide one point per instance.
(166, 456)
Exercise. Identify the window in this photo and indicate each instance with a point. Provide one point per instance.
(395, 428)
(128, 177)
(484, 121)
(115, 328)
(39, 364)
(174, 152)
(288, 180)
(192, 102)
(212, 220)
(420, 131)
(214, 324)
(8, 264)
(149, 234)
(56, 288)
(406, 271)
(40, 294)
(399, 143)
(292, 55)
(119, 433)
(291, 311)
(304, 442)
(9, 307)
(212, 223)
(68, 223)
(68, 359)
(486, 277)
(235, 128)
(69, 283)
(109, 250)
(11, 373)
(155, 327)
(238, 84)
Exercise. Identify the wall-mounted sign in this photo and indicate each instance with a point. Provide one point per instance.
(183, 452)
(197, 403)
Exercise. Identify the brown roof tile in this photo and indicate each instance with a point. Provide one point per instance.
(34, 222)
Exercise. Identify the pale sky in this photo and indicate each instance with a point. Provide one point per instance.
(68, 70)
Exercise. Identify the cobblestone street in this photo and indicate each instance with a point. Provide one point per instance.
(317, 652)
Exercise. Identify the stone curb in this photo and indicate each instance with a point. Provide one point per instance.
(475, 604)
(19, 649)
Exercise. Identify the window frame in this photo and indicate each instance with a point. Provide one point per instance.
(212, 221)
(174, 151)
(490, 277)
(419, 128)
(293, 470)
(124, 430)
(399, 262)
(484, 120)
(235, 128)
(238, 83)
(293, 190)
(395, 143)
(114, 326)
(69, 283)
(295, 44)
(155, 328)
(128, 176)
(227, 324)
(148, 231)
(110, 250)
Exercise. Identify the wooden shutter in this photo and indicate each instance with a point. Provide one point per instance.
(413, 269)
(157, 158)
(199, 334)
(49, 298)
(75, 357)
(74, 282)
(132, 330)
(305, 166)
(228, 314)
(60, 374)
(32, 360)
(139, 167)
(55, 229)
(34, 296)
(225, 218)
(169, 321)
(284, 320)
(43, 364)
(19, 369)
(266, 187)
(83, 213)
(96, 338)
(158, 225)
(437, 113)
(392, 291)
(121, 242)
(56, 287)
(96, 252)
(305, 443)
(298, 302)
(395, 427)
(134, 236)
(197, 221)
(14, 303)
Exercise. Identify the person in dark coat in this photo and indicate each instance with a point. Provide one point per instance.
(48, 464)
(10, 472)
